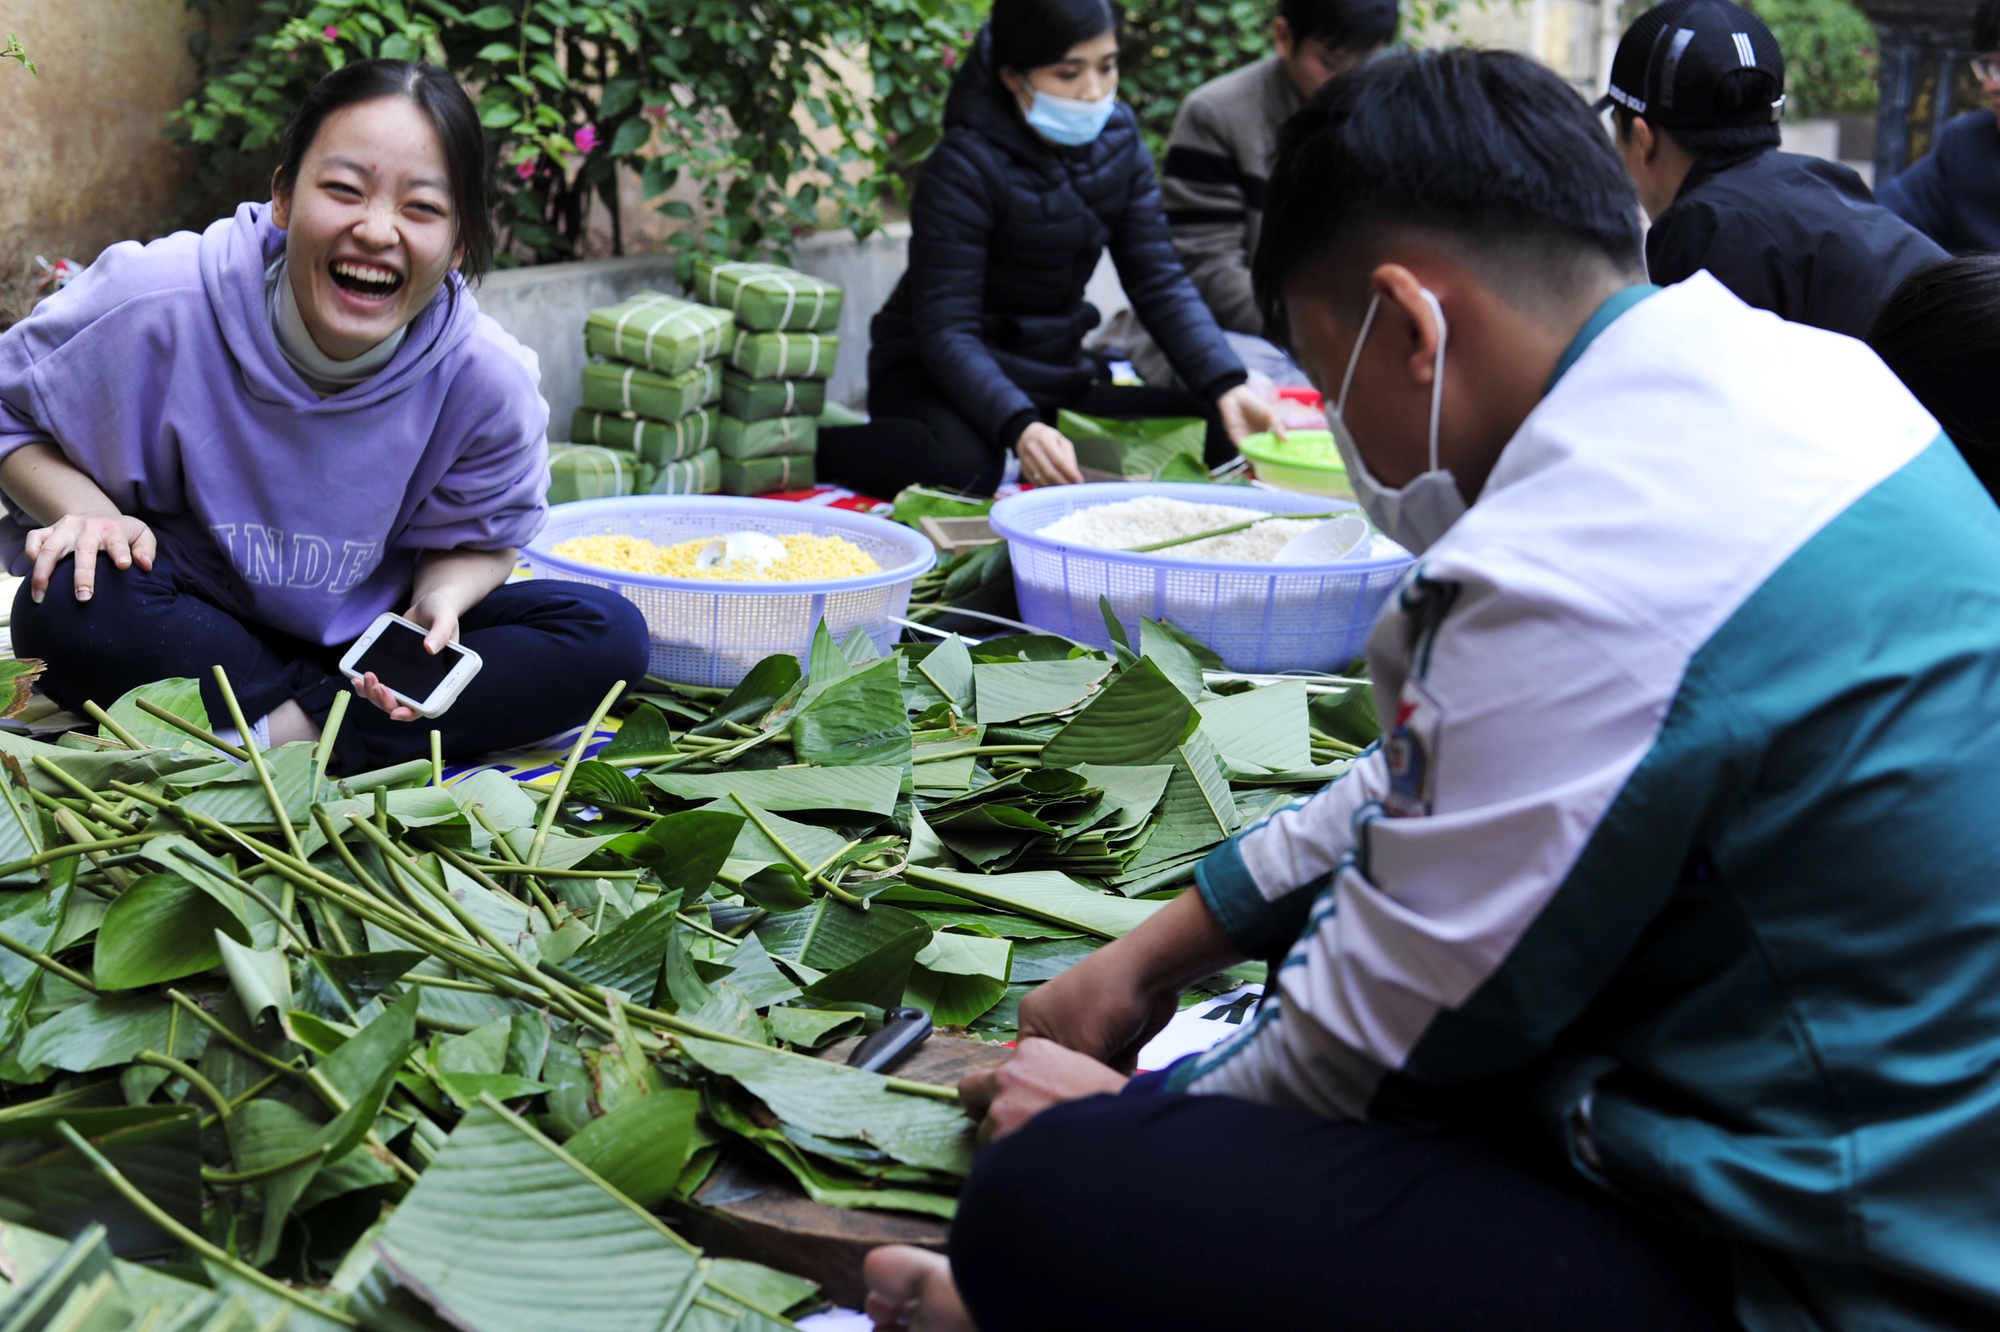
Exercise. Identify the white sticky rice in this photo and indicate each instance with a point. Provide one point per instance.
(1140, 522)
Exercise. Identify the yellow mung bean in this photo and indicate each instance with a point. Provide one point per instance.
(806, 557)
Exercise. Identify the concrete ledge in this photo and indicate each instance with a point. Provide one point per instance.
(545, 306)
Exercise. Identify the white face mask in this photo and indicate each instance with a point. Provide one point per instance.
(1416, 515)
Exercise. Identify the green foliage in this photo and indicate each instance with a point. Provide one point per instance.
(14, 51)
(1830, 55)
(713, 91)
(1171, 47)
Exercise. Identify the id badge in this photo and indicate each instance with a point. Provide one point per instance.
(1411, 753)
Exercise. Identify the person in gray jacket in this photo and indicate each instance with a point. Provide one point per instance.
(1221, 150)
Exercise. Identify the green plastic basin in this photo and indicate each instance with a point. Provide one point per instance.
(1304, 460)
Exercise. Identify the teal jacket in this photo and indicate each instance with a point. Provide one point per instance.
(1685, 831)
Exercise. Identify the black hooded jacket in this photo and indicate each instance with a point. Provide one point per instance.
(1793, 235)
(1005, 230)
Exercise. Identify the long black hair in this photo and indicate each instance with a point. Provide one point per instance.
(1940, 333)
(451, 114)
(1028, 34)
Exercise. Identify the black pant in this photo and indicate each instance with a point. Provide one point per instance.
(550, 649)
(1148, 1211)
(916, 437)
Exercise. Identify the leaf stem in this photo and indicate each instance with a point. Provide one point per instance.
(834, 890)
(257, 763)
(323, 750)
(191, 1074)
(41, 858)
(106, 810)
(158, 1216)
(110, 724)
(48, 964)
(209, 1176)
(554, 805)
(209, 738)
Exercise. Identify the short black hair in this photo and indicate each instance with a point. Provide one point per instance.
(1488, 150)
(1028, 34)
(1344, 25)
(451, 114)
(1986, 27)
(1940, 333)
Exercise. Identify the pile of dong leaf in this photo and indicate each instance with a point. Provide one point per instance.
(283, 1048)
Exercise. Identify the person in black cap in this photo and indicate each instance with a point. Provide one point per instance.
(1697, 88)
(1953, 194)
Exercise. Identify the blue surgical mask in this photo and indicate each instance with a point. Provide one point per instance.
(1068, 120)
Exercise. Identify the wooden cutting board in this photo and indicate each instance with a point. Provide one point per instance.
(750, 1208)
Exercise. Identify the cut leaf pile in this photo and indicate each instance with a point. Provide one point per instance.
(375, 1051)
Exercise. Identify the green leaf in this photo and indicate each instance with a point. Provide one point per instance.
(601, 779)
(467, 1088)
(644, 737)
(499, 52)
(639, 1148)
(492, 18)
(1204, 656)
(812, 1027)
(852, 789)
(1011, 690)
(107, 1031)
(1138, 719)
(633, 135)
(879, 977)
(160, 929)
(1049, 958)
(949, 667)
(686, 850)
(474, 1239)
(1348, 716)
(753, 973)
(45, 1183)
(1045, 895)
(681, 988)
(1174, 660)
(958, 977)
(835, 1101)
(829, 934)
(1266, 726)
(628, 957)
(261, 977)
(759, 691)
(240, 799)
(857, 722)
(338, 985)
(32, 918)
(180, 696)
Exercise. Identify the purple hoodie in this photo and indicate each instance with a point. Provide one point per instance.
(158, 374)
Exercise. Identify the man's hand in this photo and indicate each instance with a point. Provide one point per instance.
(1114, 1001)
(1040, 1074)
(1100, 1007)
(1047, 457)
(126, 540)
(1245, 413)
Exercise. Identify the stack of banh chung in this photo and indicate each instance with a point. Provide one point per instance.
(774, 383)
(647, 425)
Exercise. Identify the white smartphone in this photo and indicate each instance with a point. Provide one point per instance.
(393, 648)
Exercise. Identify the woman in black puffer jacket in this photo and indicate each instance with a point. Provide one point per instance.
(1040, 169)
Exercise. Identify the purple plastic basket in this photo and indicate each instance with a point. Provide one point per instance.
(712, 633)
(1259, 616)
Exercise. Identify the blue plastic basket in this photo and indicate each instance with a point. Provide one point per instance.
(710, 633)
(1260, 617)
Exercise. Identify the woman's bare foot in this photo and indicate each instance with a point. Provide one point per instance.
(912, 1287)
(288, 722)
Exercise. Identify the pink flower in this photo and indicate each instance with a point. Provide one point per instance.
(654, 112)
(525, 170)
(332, 33)
(950, 58)
(586, 138)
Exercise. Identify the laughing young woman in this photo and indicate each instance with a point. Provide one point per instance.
(286, 425)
